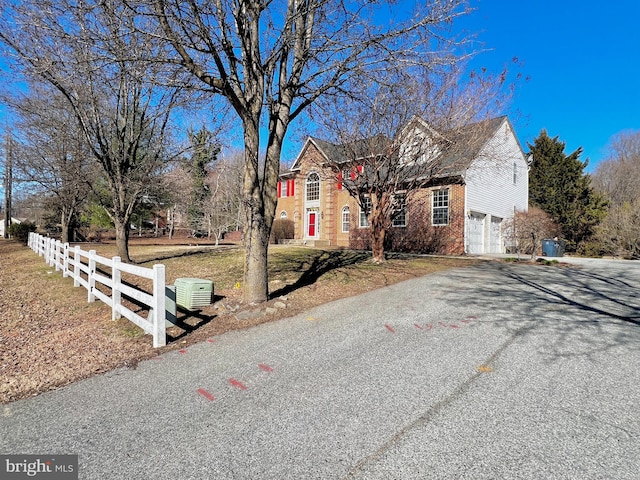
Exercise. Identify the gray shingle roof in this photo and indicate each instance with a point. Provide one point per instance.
(458, 147)
(464, 145)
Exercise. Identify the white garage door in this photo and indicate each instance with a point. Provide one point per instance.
(495, 235)
(476, 233)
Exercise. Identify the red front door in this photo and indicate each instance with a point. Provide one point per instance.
(312, 224)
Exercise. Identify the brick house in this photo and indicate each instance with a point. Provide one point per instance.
(463, 208)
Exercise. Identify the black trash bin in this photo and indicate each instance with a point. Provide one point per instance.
(552, 248)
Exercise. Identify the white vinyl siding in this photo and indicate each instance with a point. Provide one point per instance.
(490, 186)
(496, 184)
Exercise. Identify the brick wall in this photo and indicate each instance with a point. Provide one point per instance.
(419, 236)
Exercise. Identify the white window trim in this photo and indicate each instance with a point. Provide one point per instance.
(306, 190)
(346, 210)
(433, 207)
(404, 209)
(360, 214)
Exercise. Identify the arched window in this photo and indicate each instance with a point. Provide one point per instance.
(346, 217)
(313, 187)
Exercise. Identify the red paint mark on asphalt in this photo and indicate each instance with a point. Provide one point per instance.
(429, 326)
(237, 384)
(465, 321)
(473, 317)
(156, 358)
(183, 351)
(266, 368)
(390, 328)
(418, 326)
(442, 324)
(453, 325)
(211, 340)
(205, 394)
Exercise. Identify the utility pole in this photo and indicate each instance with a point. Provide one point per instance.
(8, 185)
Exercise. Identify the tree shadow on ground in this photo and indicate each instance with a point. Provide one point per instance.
(573, 311)
(190, 321)
(142, 259)
(590, 286)
(187, 320)
(322, 263)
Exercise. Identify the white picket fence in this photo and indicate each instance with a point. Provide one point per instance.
(83, 267)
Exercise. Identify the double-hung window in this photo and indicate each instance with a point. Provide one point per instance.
(399, 215)
(440, 207)
(365, 208)
(313, 187)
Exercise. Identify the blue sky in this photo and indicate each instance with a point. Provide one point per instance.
(583, 63)
(583, 60)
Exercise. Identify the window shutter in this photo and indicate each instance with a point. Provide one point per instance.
(360, 169)
(291, 183)
(279, 188)
(340, 180)
(353, 174)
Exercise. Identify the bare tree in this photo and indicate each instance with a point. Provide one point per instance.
(224, 211)
(112, 81)
(7, 182)
(619, 232)
(618, 177)
(272, 60)
(407, 135)
(527, 229)
(177, 183)
(52, 152)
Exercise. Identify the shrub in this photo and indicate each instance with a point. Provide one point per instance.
(20, 231)
(282, 229)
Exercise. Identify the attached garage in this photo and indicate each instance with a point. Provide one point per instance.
(495, 235)
(475, 233)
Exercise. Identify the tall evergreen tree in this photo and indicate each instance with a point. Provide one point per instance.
(559, 186)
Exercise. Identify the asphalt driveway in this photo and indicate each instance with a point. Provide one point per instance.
(497, 371)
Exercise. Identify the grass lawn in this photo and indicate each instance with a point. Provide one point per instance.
(51, 336)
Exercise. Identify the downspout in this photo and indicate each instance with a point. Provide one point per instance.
(466, 218)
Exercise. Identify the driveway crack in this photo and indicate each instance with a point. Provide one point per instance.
(435, 409)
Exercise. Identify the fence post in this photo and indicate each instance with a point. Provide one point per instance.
(46, 250)
(65, 261)
(57, 254)
(116, 295)
(76, 266)
(91, 281)
(52, 252)
(158, 309)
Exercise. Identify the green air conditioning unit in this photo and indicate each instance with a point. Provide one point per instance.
(193, 293)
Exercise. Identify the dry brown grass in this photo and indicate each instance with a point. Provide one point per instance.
(50, 336)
